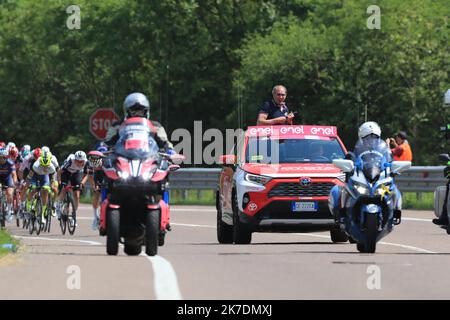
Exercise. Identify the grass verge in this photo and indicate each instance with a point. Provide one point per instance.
(5, 237)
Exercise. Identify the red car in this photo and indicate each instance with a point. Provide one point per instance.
(279, 182)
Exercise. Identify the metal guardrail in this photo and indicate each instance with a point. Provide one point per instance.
(416, 179)
(421, 179)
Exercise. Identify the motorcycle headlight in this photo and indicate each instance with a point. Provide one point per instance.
(123, 175)
(256, 178)
(363, 190)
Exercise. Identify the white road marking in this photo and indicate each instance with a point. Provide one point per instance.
(417, 249)
(416, 219)
(194, 210)
(165, 279)
(92, 243)
(192, 225)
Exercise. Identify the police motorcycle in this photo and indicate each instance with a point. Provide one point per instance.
(441, 194)
(364, 206)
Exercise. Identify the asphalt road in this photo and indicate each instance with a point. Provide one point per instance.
(411, 263)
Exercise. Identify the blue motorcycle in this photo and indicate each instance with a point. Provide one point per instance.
(364, 205)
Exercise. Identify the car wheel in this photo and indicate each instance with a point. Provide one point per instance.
(224, 231)
(241, 233)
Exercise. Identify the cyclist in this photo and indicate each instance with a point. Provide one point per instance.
(41, 173)
(54, 185)
(24, 170)
(96, 176)
(72, 170)
(8, 178)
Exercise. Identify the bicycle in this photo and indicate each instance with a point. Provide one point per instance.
(68, 218)
(16, 205)
(48, 214)
(35, 222)
(3, 206)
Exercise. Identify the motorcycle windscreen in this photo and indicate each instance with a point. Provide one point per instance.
(372, 153)
(135, 142)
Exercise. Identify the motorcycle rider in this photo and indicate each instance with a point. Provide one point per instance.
(137, 105)
(369, 135)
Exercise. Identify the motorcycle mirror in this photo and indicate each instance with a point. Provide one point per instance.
(444, 157)
(174, 167)
(345, 165)
(399, 166)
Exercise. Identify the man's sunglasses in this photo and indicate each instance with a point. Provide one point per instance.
(281, 94)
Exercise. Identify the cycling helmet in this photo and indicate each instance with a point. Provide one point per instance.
(25, 150)
(13, 153)
(136, 105)
(80, 156)
(45, 149)
(95, 159)
(45, 160)
(368, 128)
(10, 145)
(37, 153)
(4, 153)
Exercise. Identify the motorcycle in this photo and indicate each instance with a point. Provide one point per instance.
(364, 206)
(441, 196)
(134, 212)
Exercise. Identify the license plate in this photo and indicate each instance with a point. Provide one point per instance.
(305, 206)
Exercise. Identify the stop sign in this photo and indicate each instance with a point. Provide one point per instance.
(100, 120)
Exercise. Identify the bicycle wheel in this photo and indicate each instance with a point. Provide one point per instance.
(38, 210)
(63, 218)
(48, 216)
(72, 215)
(2, 214)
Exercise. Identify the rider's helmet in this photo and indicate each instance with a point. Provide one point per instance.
(45, 149)
(95, 159)
(4, 153)
(136, 105)
(10, 145)
(368, 128)
(37, 153)
(45, 160)
(80, 156)
(25, 150)
(13, 153)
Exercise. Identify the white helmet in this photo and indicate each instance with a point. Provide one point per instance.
(367, 128)
(136, 105)
(80, 156)
(45, 149)
(10, 145)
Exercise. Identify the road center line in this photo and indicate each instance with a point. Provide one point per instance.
(92, 243)
(165, 279)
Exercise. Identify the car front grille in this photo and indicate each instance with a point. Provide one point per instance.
(294, 189)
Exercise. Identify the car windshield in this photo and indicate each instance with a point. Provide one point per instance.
(371, 155)
(135, 142)
(274, 151)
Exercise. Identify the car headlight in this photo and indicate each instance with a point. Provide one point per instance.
(256, 178)
(363, 190)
